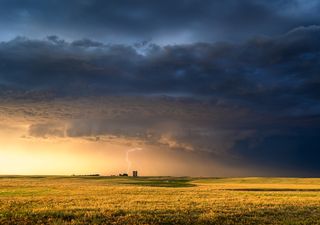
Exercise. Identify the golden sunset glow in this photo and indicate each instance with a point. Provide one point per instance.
(26, 155)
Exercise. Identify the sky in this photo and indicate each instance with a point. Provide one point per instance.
(181, 88)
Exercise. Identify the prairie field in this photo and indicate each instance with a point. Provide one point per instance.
(158, 200)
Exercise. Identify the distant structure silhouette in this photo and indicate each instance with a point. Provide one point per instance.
(135, 173)
(123, 174)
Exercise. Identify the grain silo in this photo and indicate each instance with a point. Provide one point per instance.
(135, 173)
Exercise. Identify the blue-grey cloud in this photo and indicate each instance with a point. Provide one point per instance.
(180, 21)
(254, 102)
(278, 73)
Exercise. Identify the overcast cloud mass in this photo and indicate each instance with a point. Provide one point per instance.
(237, 82)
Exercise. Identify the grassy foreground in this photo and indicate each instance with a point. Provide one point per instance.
(158, 200)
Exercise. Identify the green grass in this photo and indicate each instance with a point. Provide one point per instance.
(158, 200)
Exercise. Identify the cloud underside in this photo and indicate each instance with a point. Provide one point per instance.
(256, 102)
(180, 21)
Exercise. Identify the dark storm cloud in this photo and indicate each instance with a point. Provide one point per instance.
(278, 74)
(163, 21)
(255, 102)
(283, 148)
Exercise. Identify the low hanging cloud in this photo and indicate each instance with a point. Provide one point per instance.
(178, 124)
(45, 130)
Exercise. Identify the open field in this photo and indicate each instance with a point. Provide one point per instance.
(158, 200)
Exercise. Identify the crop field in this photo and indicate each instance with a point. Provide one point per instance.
(158, 200)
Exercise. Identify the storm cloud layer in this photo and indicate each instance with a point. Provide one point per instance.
(256, 101)
(164, 22)
(233, 81)
(263, 73)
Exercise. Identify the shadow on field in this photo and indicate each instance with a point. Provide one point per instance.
(273, 189)
(279, 215)
(173, 183)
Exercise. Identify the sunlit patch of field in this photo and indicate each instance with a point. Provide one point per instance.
(158, 200)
